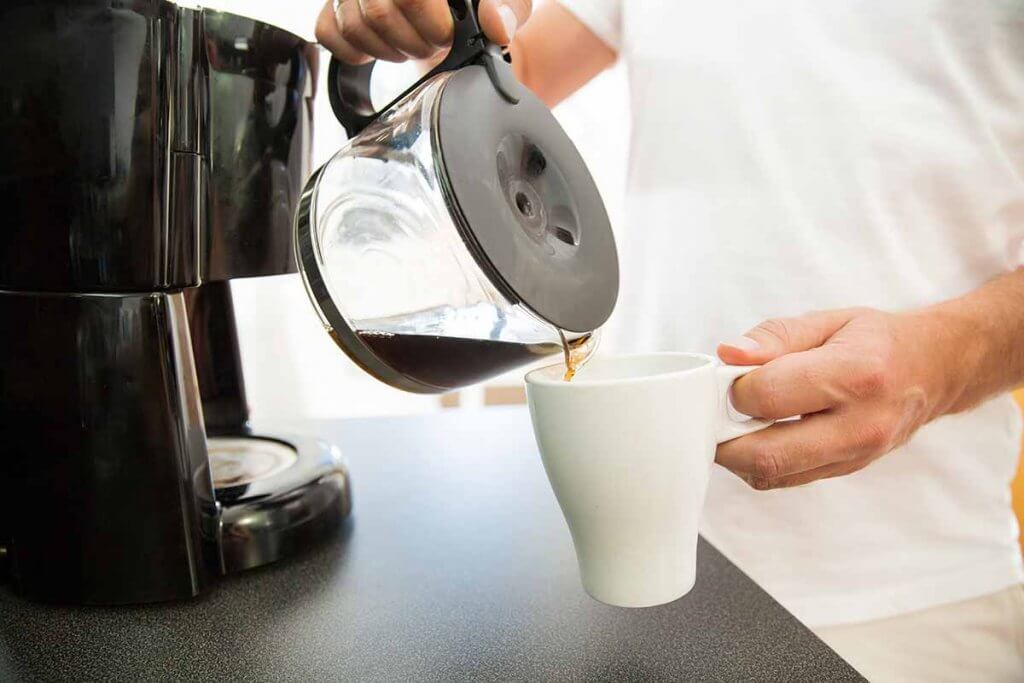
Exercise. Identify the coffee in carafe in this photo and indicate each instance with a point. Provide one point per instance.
(452, 362)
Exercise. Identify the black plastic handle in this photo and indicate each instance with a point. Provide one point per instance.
(348, 87)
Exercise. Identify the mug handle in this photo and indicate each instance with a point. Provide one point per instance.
(729, 427)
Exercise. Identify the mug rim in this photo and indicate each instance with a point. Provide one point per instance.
(532, 378)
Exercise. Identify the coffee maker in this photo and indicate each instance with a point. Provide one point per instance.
(151, 153)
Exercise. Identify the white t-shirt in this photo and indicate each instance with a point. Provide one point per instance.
(806, 154)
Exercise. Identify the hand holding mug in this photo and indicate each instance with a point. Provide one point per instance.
(862, 381)
(628, 446)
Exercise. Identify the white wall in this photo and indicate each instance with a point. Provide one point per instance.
(293, 369)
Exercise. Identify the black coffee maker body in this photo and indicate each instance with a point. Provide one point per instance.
(150, 154)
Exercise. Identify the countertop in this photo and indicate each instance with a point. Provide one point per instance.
(455, 565)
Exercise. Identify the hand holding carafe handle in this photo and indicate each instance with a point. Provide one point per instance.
(348, 86)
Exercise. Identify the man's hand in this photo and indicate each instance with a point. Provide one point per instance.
(862, 380)
(396, 30)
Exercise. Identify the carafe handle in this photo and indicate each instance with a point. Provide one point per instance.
(348, 86)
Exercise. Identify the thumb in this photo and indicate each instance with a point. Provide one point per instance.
(779, 336)
(500, 19)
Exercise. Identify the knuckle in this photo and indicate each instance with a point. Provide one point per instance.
(326, 27)
(778, 328)
(871, 379)
(766, 468)
(350, 29)
(878, 436)
(376, 13)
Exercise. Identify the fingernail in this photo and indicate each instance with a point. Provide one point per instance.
(508, 18)
(743, 344)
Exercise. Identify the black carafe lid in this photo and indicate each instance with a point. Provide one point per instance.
(524, 201)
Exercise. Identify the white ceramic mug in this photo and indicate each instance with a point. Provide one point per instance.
(628, 446)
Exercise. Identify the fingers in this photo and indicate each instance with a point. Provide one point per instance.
(388, 22)
(431, 18)
(358, 33)
(500, 19)
(779, 336)
(329, 35)
(794, 384)
(782, 453)
(838, 469)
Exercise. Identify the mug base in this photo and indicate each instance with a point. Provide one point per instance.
(638, 599)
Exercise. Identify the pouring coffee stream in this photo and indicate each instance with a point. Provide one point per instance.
(577, 353)
(459, 234)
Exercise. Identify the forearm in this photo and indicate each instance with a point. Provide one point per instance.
(554, 54)
(982, 333)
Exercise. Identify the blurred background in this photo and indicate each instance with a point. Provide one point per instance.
(292, 368)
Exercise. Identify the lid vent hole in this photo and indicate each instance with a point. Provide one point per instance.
(524, 204)
(564, 235)
(535, 161)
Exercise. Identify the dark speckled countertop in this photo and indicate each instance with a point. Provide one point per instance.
(456, 565)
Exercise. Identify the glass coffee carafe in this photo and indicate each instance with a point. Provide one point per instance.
(458, 235)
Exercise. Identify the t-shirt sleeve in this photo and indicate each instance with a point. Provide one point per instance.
(603, 17)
